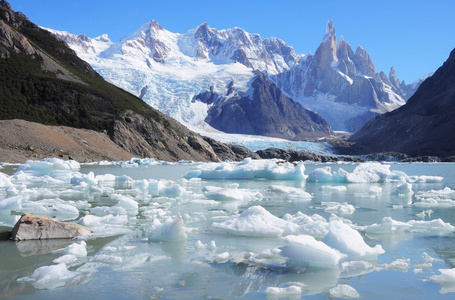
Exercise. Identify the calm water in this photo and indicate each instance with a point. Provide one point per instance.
(150, 269)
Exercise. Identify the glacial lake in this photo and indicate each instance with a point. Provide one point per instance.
(249, 230)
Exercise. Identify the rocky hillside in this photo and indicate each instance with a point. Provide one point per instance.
(262, 110)
(42, 80)
(424, 126)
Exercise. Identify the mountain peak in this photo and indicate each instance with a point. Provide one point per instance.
(155, 25)
(330, 29)
(6, 5)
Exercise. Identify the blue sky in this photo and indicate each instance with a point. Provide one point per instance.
(415, 37)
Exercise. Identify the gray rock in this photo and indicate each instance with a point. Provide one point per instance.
(266, 110)
(423, 127)
(34, 227)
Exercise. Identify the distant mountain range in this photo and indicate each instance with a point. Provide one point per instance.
(167, 70)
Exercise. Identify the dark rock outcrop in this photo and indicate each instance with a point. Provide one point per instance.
(267, 111)
(292, 155)
(425, 126)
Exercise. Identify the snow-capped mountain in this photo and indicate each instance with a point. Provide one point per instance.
(342, 85)
(168, 69)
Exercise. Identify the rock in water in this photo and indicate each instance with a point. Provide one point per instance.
(34, 227)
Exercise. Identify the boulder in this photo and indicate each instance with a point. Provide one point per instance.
(34, 227)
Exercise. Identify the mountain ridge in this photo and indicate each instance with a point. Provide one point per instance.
(423, 126)
(336, 82)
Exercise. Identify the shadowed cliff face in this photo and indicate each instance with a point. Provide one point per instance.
(266, 110)
(43, 81)
(424, 126)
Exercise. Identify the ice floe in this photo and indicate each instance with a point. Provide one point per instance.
(271, 169)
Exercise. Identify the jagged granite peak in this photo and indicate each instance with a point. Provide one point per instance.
(423, 126)
(346, 57)
(394, 79)
(364, 62)
(265, 110)
(327, 50)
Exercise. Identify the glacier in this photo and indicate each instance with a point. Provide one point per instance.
(167, 70)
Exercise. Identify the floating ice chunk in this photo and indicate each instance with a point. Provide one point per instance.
(106, 225)
(401, 264)
(333, 189)
(155, 186)
(433, 226)
(4, 180)
(108, 210)
(79, 179)
(76, 249)
(349, 241)
(375, 190)
(446, 279)
(291, 192)
(387, 226)
(256, 221)
(436, 198)
(269, 257)
(140, 162)
(283, 292)
(222, 257)
(129, 205)
(356, 268)
(230, 193)
(338, 208)
(47, 165)
(305, 251)
(326, 175)
(425, 179)
(172, 191)
(12, 204)
(344, 291)
(66, 259)
(55, 208)
(50, 277)
(371, 172)
(404, 189)
(173, 230)
(272, 169)
(108, 259)
(314, 225)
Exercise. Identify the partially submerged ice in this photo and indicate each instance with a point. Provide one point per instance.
(163, 213)
(271, 169)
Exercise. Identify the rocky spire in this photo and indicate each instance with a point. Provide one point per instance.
(327, 50)
(346, 58)
(364, 62)
(393, 78)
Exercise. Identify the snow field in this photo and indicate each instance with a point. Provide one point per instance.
(162, 211)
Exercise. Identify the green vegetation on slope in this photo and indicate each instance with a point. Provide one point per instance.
(30, 93)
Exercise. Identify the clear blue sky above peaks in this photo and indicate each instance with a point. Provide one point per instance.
(415, 37)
